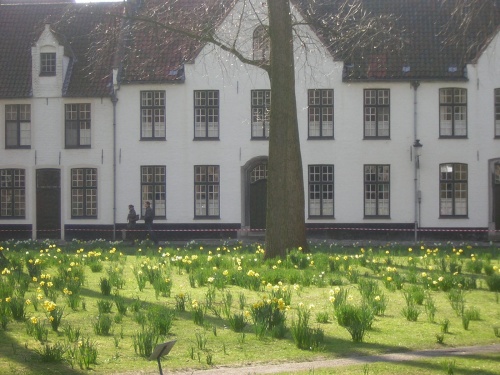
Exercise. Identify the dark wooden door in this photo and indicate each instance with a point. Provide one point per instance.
(258, 201)
(496, 205)
(48, 203)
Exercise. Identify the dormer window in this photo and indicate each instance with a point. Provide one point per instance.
(48, 64)
(261, 45)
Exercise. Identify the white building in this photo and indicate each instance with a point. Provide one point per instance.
(165, 119)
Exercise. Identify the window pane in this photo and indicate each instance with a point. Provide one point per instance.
(153, 114)
(320, 190)
(453, 186)
(10, 134)
(71, 134)
(153, 188)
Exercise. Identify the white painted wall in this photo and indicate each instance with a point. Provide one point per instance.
(217, 70)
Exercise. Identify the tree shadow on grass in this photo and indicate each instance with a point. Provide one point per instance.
(17, 358)
(341, 348)
(429, 360)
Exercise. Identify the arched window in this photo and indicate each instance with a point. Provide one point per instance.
(261, 45)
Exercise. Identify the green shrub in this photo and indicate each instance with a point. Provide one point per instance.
(304, 336)
(36, 329)
(356, 319)
(237, 322)
(105, 286)
(52, 353)
(145, 342)
(102, 325)
(493, 282)
(120, 304)
(104, 306)
(161, 318)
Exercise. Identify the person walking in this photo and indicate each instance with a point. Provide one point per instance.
(131, 220)
(148, 220)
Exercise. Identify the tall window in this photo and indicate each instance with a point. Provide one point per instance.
(377, 113)
(77, 125)
(261, 45)
(206, 114)
(153, 188)
(452, 112)
(321, 190)
(377, 190)
(152, 114)
(453, 189)
(497, 113)
(48, 64)
(206, 191)
(17, 126)
(12, 193)
(261, 106)
(84, 192)
(320, 113)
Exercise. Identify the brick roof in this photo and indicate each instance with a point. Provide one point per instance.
(413, 42)
(74, 25)
(416, 40)
(157, 54)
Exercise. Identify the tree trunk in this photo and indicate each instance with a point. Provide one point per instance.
(285, 224)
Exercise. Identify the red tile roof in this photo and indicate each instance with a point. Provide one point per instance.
(81, 26)
(415, 39)
(412, 42)
(156, 53)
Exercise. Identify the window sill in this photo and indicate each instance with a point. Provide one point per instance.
(377, 217)
(329, 138)
(206, 139)
(206, 218)
(453, 216)
(18, 147)
(320, 217)
(376, 138)
(152, 139)
(453, 137)
(77, 147)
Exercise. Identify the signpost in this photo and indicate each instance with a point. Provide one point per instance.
(161, 350)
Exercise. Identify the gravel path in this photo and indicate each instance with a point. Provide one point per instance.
(290, 367)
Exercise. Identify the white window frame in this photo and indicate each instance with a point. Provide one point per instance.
(453, 190)
(207, 191)
(320, 113)
(377, 190)
(18, 126)
(206, 114)
(12, 193)
(78, 130)
(153, 115)
(260, 111)
(84, 193)
(321, 190)
(377, 113)
(154, 189)
(452, 112)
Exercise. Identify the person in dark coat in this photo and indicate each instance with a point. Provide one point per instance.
(131, 220)
(148, 220)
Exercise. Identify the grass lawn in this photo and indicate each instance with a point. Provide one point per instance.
(102, 307)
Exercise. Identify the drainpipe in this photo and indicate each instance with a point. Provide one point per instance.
(416, 148)
(114, 100)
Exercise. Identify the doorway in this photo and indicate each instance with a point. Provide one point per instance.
(258, 195)
(48, 203)
(496, 196)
